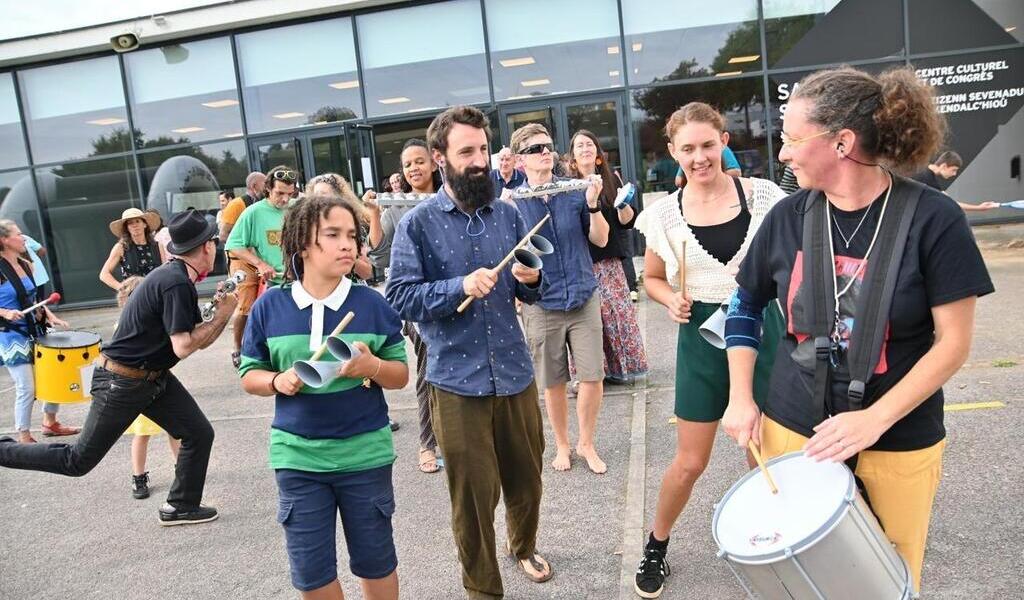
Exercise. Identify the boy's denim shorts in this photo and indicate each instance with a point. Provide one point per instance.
(308, 509)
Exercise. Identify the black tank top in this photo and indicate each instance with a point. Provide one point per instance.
(724, 240)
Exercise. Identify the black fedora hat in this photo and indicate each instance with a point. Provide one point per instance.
(189, 229)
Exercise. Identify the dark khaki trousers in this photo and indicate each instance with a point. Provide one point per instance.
(492, 445)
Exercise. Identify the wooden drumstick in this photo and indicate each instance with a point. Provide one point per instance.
(469, 299)
(341, 327)
(764, 469)
(682, 269)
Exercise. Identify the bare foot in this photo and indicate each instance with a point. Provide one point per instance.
(25, 437)
(563, 460)
(594, 462)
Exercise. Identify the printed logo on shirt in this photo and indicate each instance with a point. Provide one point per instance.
(274, 237)
(846, 268)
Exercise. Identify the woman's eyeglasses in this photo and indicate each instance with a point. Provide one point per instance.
(794, 142)
(538, 148)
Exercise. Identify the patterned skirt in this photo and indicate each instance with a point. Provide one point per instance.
(624, 354)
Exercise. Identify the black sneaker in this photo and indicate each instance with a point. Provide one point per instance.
(236, 360)
(393, 424)
(186, 516)
(651, 574)
(140, 486)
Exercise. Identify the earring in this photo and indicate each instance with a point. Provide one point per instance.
(599, 162)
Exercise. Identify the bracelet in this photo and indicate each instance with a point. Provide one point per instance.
(594, 210)
(273, 381)
(380, 363)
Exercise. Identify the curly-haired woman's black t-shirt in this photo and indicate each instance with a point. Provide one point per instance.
(941, 264)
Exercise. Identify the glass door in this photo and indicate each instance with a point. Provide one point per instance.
(603, 115)
(271, 152)
(362, 158)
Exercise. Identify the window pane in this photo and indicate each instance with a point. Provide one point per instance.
(74, 110)
(405, 73)
(540, 47)
(183, 92)
(668, 39)
(299, 75)
(816, 32)
(390, 137)
(937, 25)
(18, 203)
(81, 200)
(183, 178)
(741, 102)
(983, 102)
(12, 143)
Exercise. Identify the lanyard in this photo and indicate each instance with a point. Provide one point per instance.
(837, 294)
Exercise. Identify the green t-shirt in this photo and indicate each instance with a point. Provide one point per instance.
(259, 228)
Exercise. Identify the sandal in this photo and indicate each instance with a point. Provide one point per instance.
(428, 465)
(236, 359)
(537, 563)
(58, 430)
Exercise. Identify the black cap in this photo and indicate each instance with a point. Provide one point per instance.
(188, 230)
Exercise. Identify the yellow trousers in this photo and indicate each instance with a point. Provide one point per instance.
(901, 487)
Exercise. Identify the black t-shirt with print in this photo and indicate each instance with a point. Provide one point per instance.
(165, 303)
(941, 264)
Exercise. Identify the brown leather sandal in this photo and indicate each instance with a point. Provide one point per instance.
(428, 465)
(537, 562)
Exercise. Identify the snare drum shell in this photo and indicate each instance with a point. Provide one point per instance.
(848, 558)
(63, 366)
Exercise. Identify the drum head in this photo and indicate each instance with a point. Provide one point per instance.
(752, 525)
(68, 339)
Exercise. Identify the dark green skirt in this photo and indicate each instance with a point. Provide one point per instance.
(702, 371)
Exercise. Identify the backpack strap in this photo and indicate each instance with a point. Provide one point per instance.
(33, 329)
(875, 299)
(819, 274)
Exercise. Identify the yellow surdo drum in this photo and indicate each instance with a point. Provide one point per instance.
(63, 366)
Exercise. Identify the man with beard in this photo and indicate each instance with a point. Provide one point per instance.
(483, 399)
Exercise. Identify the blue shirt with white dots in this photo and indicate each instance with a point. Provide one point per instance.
(482, 351)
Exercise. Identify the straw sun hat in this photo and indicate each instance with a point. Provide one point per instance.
(151, 219)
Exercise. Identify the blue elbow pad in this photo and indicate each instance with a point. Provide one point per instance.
(743, 321)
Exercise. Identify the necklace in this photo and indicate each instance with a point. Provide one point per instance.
(848, 240)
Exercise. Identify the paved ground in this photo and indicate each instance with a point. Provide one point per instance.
(87, 538)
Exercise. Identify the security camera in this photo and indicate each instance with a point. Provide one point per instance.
(126, 42)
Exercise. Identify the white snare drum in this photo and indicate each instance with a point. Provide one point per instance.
(816, 539)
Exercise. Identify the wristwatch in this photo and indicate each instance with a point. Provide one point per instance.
(595, 209)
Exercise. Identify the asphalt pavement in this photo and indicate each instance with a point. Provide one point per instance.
(87, 538)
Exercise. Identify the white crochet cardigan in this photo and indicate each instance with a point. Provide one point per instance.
(707, 279)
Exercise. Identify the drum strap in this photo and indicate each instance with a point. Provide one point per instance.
(874, 299)
(8, 273)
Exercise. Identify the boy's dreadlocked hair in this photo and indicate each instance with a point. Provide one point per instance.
(302, 224)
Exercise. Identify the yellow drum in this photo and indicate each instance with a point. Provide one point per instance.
(63, 366)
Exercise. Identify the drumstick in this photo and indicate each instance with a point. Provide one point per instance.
(469, 299)
(764, 469)
(682, 269)
(52, 299)
(341, 327)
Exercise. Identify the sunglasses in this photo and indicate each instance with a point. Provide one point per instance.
(283, 175)
(538, 148)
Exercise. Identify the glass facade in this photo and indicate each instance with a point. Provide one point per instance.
(183, 93)
(167, 126)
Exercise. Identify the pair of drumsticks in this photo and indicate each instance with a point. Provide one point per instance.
(750, 443)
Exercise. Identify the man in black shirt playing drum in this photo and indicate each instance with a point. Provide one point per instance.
(159, 326)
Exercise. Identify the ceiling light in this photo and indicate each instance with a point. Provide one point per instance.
(289, 115)
(637, 46)
(613, 73)
(344, 85)
(534, 82)
(728, 73)
(1011, 28)
(188, 129)
(613, 49)
(220, 103)
(398, 100)
(517, 62)
(743, 59)
(106, 121)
